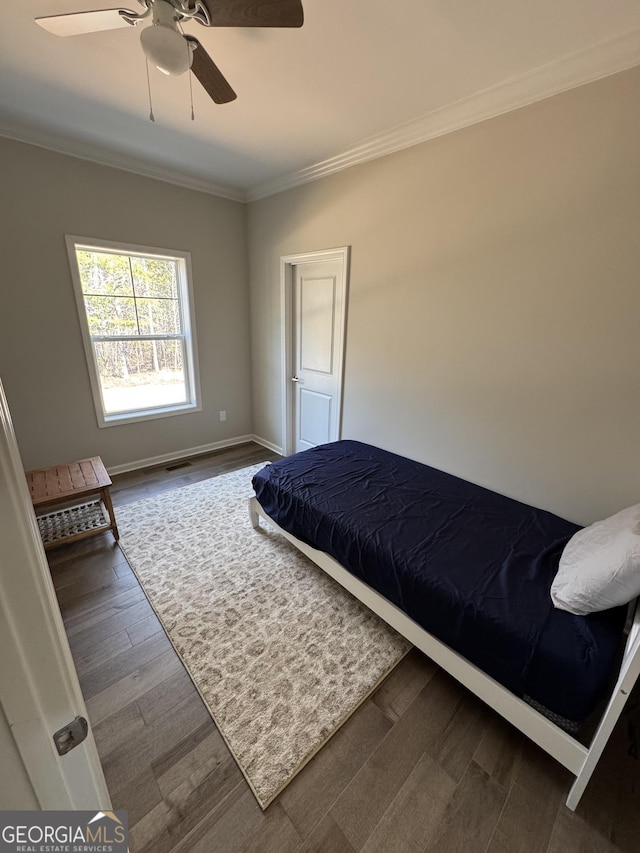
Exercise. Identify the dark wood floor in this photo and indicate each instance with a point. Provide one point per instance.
(421, 767)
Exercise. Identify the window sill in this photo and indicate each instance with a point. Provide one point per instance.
(147, 414)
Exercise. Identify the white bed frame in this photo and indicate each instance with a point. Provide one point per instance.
(576, 757)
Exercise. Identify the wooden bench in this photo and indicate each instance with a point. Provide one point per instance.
(64, 484)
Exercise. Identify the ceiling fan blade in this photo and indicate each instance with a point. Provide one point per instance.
(209, 74)
(255, 13)
(77, 23)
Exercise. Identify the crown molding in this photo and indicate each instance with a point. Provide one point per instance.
(594, 63)
(61, 144)
(601, 60)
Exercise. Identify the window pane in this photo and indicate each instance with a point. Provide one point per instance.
(102, 272)
(155, 277)
(137, 375)
(111, 315)
(159, 316)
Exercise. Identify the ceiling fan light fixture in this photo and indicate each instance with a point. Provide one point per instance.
(164, 43)
(166, 48)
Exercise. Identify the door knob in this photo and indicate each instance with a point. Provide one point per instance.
(295, 379)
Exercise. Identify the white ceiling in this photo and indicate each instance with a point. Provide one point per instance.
(360, 79)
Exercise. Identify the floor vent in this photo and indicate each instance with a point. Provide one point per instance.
(178, 465)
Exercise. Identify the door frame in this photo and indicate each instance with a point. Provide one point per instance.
(287, 264)
(39, 688)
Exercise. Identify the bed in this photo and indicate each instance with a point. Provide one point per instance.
(465, 575)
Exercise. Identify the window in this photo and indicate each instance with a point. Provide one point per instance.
(136, 315)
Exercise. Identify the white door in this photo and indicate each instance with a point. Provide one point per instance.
(39, 689)
(317, 334)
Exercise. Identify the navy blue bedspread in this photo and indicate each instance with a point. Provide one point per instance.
(472, 567)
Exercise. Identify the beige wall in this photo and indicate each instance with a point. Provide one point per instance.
(494, 309)
(42, 362)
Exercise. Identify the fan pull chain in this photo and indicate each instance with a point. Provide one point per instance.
(151, 115)
(189, 72)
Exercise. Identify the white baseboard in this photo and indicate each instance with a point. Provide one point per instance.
(182, 454)
(268, 444)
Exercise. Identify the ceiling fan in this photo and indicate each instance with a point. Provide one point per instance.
(164, 43)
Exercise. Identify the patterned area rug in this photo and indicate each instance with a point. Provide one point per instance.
(279, 652)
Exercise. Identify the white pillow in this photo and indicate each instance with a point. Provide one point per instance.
(600, 565)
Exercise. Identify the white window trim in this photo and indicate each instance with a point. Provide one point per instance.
(189, 330)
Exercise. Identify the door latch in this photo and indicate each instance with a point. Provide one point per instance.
(71, 735)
